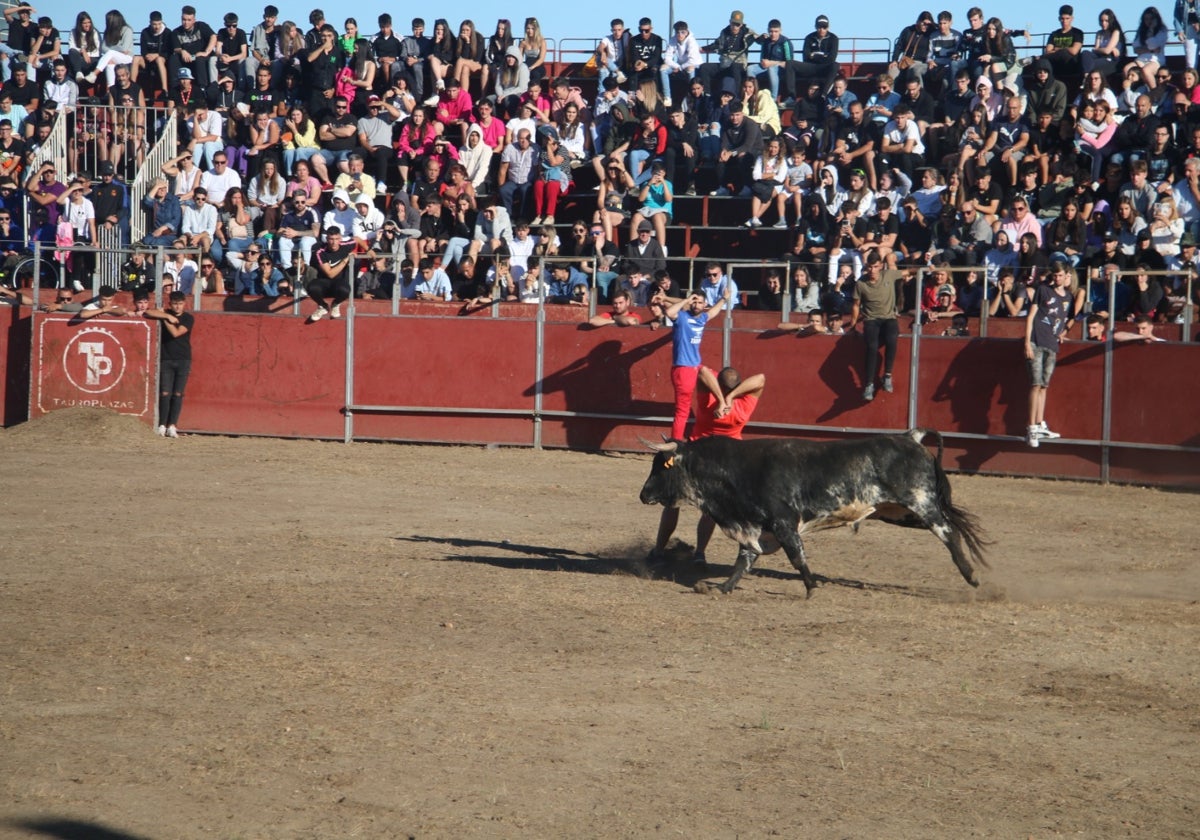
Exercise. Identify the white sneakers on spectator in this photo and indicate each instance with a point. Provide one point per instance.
(336, 312)
(161, 431)
(667, 102)
(1036, 434)
(1045, 431)
(887, 383)
(172, 432)
(549, 220)
(431, 101)
(537, 220)
(753, 222)
(621, 77)
(76, 285)
(318, 315)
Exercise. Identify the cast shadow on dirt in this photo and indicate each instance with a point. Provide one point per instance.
(675, 567)
(68, 829)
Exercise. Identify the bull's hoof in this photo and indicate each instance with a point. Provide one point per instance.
(808, 591)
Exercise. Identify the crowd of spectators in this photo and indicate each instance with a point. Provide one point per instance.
(447, 154)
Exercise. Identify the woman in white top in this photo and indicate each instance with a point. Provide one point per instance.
(186, 174)
(265, 195)
(85, 48)
(770, 173)
(1149, 45)
(1165, 227)
(117, 48)
(476, 156)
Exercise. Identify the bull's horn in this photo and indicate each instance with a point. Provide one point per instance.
(667, 445)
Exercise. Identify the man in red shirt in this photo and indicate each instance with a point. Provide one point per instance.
(723, 403)
(621, 314)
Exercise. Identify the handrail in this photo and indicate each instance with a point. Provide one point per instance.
(161, 152)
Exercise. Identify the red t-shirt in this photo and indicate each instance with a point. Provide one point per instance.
(730, 425)
(612, 316)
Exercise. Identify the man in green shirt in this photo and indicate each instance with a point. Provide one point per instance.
(875, 306)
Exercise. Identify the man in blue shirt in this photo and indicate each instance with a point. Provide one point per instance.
(690, 316)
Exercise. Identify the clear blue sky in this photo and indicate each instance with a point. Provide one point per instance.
(568, 21)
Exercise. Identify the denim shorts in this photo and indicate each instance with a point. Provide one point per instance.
(1041, 366)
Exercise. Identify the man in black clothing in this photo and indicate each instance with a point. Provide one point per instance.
(232, 48)
(156, 46)
(194, 43)
(387, 51)
(741, 144)
(21, 89)
(645, 55)
(682, 155)
(108, 200)
(820, 58)
(175, 360)
(330, 264)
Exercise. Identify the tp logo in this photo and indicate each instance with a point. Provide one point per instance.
(94, 360)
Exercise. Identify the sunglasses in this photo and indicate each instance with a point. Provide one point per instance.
(62, 299)
(220, 162)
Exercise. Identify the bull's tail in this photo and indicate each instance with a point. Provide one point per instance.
(962, 521)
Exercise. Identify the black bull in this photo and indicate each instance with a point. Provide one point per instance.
(784, 488)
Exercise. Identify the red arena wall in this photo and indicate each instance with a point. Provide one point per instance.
(449, 379)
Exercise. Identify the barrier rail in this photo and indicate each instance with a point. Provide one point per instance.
(163, 150)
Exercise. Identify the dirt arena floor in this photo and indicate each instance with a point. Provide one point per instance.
(244, 638)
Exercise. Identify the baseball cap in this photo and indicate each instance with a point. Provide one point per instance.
(1187, 240)
(373, 99)
(106, 168)
(821, 21)
(184, 73)
(1111, 236)
(737, 17)
(945, 289)
(645, 225)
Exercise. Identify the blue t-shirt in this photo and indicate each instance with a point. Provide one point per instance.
(689, 329)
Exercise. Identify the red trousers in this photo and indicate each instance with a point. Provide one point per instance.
(684, 381)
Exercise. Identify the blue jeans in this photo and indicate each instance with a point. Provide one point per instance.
(455, 249)
(290, 156)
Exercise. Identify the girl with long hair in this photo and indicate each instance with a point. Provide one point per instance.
(533, 49)
(1109, 51)
(84, 54)
(1149, 46)
(117, 48)
(493, 56)
(441, 57)
(469, 57)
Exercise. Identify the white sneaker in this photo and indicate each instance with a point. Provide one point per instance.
(172, 432)
(161, 431)
(535, 221)
(441, 84)
(549, 220)
(667, 102)
(431, 101)
(76, 285)
(621, 77)
(318, 315)
(336, 312)
(90, 77)
(1045, 432)
(753, 222)
(1032, 437)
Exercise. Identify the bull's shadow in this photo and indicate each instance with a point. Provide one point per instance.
(69, 829)
(676, 567)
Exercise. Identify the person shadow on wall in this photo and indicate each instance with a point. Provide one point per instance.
(842, 372)
(601, 382)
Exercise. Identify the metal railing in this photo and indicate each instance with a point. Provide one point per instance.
(54, 150)
(162, 151)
